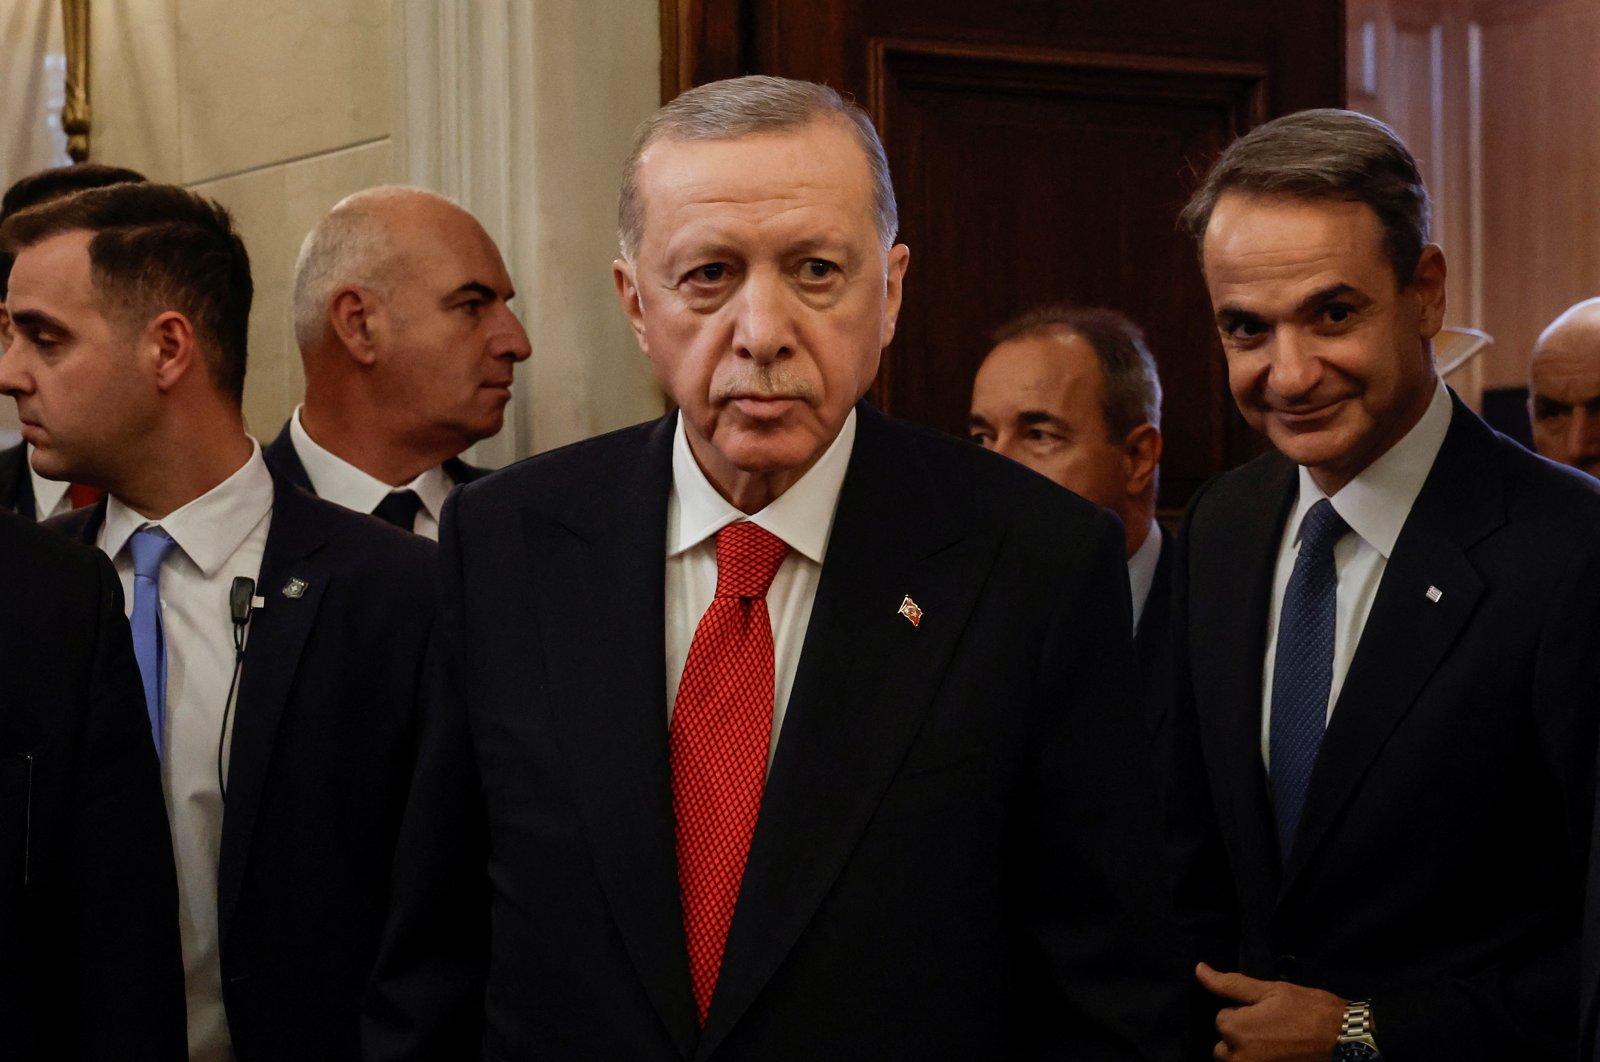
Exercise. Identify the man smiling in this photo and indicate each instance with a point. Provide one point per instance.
(784, 731)
(1388, 645)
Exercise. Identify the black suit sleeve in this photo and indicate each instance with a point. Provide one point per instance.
(1100, 978)
(426, 998)
(125, 970)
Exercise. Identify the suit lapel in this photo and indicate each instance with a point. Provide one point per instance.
(1407, 633)
(866, 678)
(292, 584)
(284, 460)
(1228, 635)
(602, 569)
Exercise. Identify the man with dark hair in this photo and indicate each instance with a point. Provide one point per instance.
(1072, 392)
(23, 490)
(90, 967)
(1564, 388)
(285, 768)
(401, 312)
(776, 729)
(1387, 644)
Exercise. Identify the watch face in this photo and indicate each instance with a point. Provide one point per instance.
(1353, 1052)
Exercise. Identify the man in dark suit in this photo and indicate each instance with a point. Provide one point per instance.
(400, 310)
(1388, 644)
(1073, 393)
(89, 961)
(279, 637)
(21, 490)
(784, 731)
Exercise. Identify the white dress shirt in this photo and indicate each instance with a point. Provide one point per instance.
(50, 497)
(1142, 570)
(219, 535)
(801, 516)
(1375, 504)
(337, 480)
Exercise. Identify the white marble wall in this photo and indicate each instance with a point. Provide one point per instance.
(279, 108)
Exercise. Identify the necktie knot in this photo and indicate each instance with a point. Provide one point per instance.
(748, 557)
(399, 507)
(149, 547)
(1322, 528)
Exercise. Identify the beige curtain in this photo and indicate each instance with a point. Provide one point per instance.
(32, 88)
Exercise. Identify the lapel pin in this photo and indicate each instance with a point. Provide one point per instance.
(295, 587)
(1434, 594)
(911, 611)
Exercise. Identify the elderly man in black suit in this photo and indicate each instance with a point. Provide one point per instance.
(89, 958)
(279, 637)
(1388, 644)
(401, 312)
(777, 729)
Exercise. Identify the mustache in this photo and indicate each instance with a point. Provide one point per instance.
(767, 381)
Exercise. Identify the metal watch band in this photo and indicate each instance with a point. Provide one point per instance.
(1357, 1021)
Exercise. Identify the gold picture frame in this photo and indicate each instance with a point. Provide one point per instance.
(75, 114)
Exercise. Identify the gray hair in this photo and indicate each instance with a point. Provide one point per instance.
(351, 245)
(1326, 154)
(1131, 394)
(742, 106)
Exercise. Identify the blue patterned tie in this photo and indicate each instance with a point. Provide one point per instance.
(1302, 669)
(150, 547)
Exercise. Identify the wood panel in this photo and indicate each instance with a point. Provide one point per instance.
(1024, 139)
(1541, 164)
(1042, 150)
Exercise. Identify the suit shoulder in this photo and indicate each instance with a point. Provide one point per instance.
(588, 468)
(359, 541)
(44, 564)
(1552, 498)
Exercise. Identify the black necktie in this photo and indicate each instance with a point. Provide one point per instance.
(1302, 669)
(399, 507)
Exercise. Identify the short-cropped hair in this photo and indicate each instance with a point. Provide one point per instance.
(1326, 154)
(1131, 394)
(745, 106)
(154, 248)
(58, 181)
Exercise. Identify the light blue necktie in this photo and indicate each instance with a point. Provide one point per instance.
(1302, 669)
(150, 547)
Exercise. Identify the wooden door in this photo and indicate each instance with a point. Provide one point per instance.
(1041, 152)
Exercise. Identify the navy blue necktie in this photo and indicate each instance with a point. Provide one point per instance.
(1302, 669)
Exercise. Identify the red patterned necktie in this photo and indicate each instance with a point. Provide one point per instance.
(721, 729)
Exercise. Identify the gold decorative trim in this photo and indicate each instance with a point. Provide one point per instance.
(75, 115)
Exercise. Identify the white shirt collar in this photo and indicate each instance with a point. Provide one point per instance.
(1376, 503)
(802, 515)
(1142, 570)
(209, 528)
(338, 481)
(47, 493)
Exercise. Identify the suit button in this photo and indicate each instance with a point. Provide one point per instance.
(1288, 967)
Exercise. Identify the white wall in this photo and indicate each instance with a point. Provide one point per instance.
(279, 108)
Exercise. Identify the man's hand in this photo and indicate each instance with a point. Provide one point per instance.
(1275, 1021)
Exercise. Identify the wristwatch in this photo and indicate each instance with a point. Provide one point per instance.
(1356, 1043)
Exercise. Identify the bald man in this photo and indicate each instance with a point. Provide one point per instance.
(1564, 388)
(401, 315)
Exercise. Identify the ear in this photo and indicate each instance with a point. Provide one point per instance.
(1428, 286)
(1141, 457)
(624, 276)
(171, 349)
(899, 260)
(350, 318)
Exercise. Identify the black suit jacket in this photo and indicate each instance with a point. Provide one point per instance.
(1438, 868)
(956, 855)
(323, 745)
(1152, 642)
(16, 486)
(89, 958)
(286, 464)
